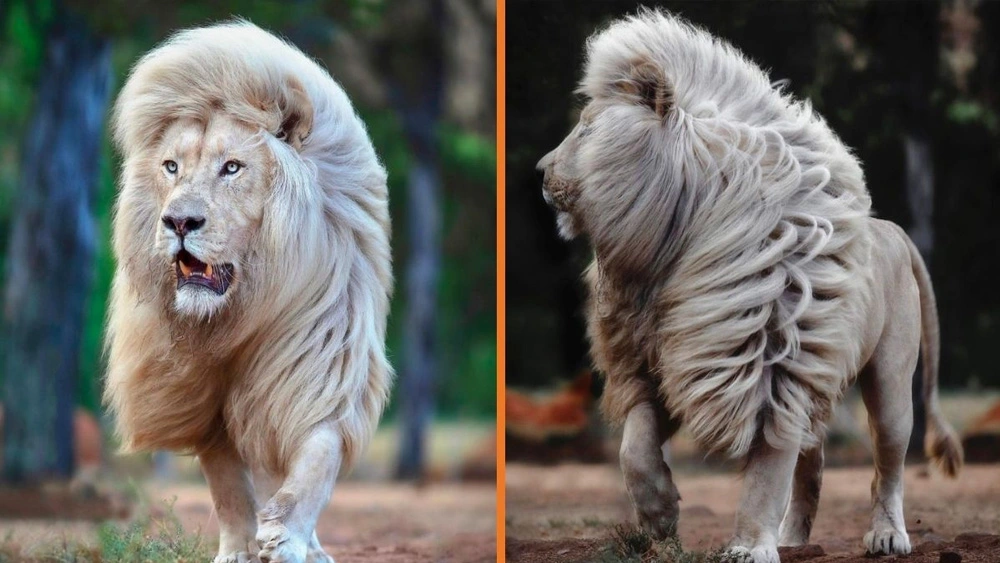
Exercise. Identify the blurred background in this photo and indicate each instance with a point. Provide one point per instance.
(912, 87)
(422, 76)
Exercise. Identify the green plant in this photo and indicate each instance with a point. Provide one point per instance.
(154, 539)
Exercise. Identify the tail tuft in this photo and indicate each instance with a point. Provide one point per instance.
(942, 446)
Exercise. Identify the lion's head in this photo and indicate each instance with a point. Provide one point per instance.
(209, 149)
(678, 128)
(210, 181)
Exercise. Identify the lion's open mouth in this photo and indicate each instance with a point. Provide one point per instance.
(191, 271)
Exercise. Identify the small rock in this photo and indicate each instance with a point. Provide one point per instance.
(950, 557)
(563, 551)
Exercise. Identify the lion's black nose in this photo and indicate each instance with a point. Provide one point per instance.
(540, 174)
(183, 225)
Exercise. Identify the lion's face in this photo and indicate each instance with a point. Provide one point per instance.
(563, 176)
(212, 181)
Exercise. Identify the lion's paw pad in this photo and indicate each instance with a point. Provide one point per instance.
(887, 542)
(238, 557)
(278, 545)
(759, 554)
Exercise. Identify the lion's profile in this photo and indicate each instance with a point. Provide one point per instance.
(249, 306)
(739, 284)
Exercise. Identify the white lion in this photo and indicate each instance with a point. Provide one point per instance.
(739, 284)
(249, 306)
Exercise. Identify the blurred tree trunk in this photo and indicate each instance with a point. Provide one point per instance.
(469, 77)
(50, 257)
(416, 92)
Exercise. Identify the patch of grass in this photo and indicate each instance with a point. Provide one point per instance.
(592, 522)
(557, 523)
(630, 544)
(153, 540)
(146, 539)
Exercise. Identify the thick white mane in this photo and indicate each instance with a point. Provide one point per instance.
(746, 215)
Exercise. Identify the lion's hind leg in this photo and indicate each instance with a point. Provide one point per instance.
(287, 522)
(647, 477)
(801, 513)
(886, 389)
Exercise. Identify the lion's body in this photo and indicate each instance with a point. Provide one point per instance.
(739, 284)
(296, 345)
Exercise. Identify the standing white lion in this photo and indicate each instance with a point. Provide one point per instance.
(249, 306)
(739, 284)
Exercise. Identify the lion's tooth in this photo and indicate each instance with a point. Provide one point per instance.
(208, 270)
(184, 269)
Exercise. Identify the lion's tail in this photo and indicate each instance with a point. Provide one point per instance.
(941, 443)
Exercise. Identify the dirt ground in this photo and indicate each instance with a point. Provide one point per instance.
(366, 522)
(382, 522)
(565, 513)
(370, 518)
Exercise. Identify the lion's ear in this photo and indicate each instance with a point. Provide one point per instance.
(296, 115)
(646, 84)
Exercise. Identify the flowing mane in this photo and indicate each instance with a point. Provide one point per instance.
(746, 215)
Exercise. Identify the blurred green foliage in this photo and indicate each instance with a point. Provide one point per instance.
(466, 319)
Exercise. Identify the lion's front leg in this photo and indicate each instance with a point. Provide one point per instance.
(287, 522)
(767, 485)
(232, 494)
(647, 477)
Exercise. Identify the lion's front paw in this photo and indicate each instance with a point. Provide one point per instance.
(758, 554)
(237, 557)
(654, 498)
(278, 545)
(657, 516)
(887, 542)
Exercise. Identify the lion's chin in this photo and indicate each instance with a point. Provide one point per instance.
(199, 301)
(567, 225)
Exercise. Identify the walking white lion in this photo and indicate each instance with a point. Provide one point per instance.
(739, 284)
(249, 306)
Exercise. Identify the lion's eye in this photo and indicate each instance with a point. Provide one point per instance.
(170, 166)
(231, 167)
